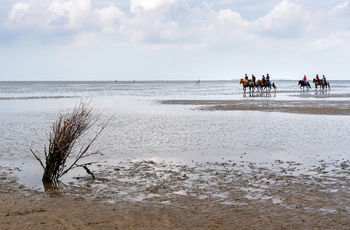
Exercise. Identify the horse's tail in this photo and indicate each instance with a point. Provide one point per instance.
(274, 86)
(256, 84)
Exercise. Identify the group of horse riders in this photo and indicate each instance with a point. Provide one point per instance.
(317, 80)
(265, 80)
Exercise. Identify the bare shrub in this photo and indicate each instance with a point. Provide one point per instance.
(65, 133)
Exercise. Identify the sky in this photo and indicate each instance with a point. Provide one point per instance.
(58, 40)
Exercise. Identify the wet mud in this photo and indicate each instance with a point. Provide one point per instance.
(165, 195)
(318, 107)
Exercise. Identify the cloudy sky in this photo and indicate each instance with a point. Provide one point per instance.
(173, 39)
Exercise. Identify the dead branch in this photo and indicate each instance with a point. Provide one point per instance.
(65, 133)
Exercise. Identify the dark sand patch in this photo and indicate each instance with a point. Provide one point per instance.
(303, 107)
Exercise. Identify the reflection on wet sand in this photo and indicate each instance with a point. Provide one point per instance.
(323, 92)
(259, 94)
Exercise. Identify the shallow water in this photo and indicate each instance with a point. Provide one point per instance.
(142, 128)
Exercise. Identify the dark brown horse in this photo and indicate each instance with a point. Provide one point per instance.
(326, 84)
(317, 82)
(321, 83)
(266, 85)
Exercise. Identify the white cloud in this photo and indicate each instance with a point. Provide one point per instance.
(152, 22)
(227, 16)
(333, 40)
(75, 11)
(18, 11)
(341, 7)
(220, 28)
(110, 19)
(254, 33)
(282, 14)
(148, 5)
(195, 22)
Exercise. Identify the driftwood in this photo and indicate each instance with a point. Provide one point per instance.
(62, 139)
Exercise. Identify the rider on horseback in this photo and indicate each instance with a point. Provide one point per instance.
(324, 80)
(267, 80)
(253, 79)
(263, 79)
(305, 79)
(318, 79)
(246, 77)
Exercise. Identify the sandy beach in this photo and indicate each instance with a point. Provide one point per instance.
(213, 195)
(217, 195)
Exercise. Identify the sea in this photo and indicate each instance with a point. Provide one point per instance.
(142, 128)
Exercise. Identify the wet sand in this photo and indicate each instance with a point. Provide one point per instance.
(212, 195)
(230, 194)
(319, 107)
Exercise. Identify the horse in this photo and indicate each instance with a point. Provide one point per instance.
(266, 85)
(322, 83)
(260, 84)
(325, 84)
(317, 82)
(303, 84)
(246, 84)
